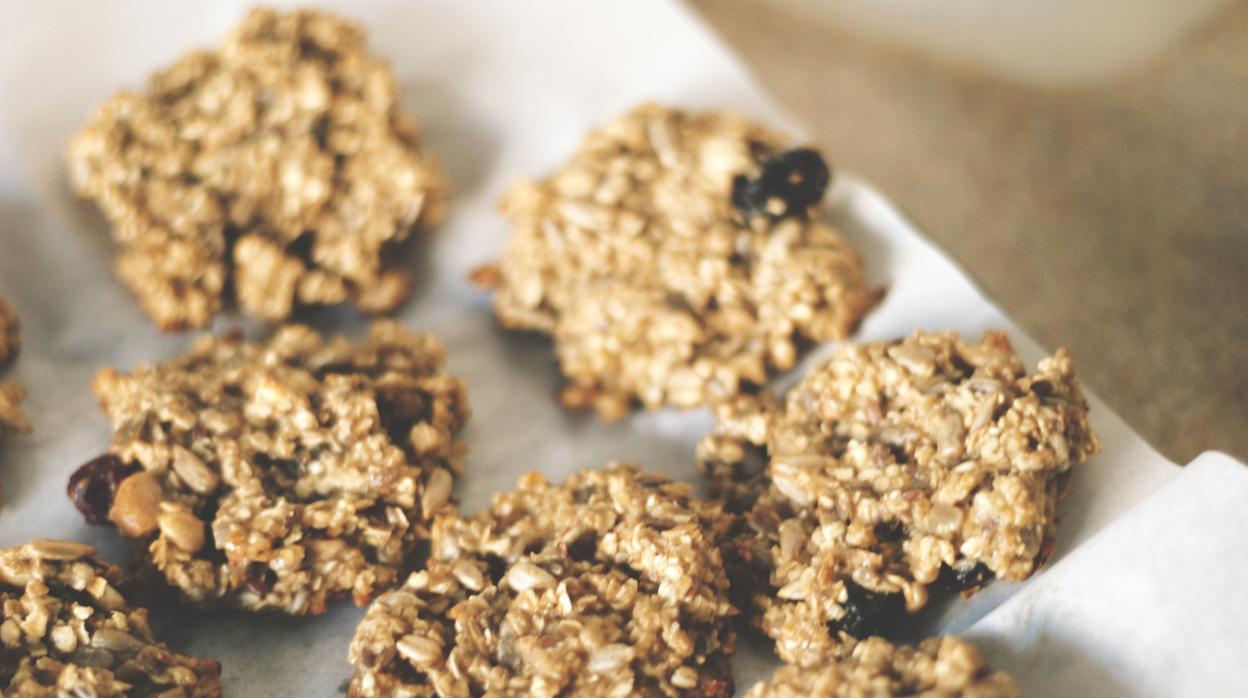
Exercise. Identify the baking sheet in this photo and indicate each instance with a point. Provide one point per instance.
(506, 89)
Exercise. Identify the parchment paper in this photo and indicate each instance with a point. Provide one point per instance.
(1140, 597)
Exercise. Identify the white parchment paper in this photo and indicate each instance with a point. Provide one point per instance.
(506, 89)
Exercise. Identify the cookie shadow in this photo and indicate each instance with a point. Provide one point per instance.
(1050, 666)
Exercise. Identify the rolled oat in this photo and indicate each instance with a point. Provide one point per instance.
(675, 259)
(611, 584)
(892, 470)
(279, 475)
(66, 630)
(276, 170)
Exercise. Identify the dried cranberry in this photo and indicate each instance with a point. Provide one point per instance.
(93, 487)
(797, 178)
(868, 612)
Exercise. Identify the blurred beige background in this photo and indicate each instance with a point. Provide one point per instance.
(1105, 209)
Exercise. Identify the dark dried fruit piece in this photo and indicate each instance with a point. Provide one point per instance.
(868, 612)
(791, 182)
(964, 577)
(93, 486)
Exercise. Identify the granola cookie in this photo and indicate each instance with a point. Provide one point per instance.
(276, 170)
(892, 469)
(939, 666)
(675, 259)
(11, 394)
(611, 584)
(279, 475)
(66, 630)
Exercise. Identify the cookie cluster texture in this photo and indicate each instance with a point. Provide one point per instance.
(276, 171)
(675, 259)
(893, 469)
(940, 666)
(611, 584)
(279, 475)
(67, 630)
(12, 418)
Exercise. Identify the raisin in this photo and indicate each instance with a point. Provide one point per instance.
(93, 486)
(890, 531)
(963, 577)
(581, 548)
(868, 612)
(796, 178)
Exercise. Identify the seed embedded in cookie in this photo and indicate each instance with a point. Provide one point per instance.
(276, 170)
(677, 258)
(12, 419)
(66, 630)
(892, 470)
(939, 666)
(279, 475)
(611, 584)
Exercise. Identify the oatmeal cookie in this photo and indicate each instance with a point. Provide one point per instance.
(66, 630)
(940, 666)
(611, 584)
(675, 259)
(276, 170)
(891, 469)
(279, 475)
(11, 394)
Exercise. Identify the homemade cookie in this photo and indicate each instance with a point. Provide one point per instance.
(611, 584)
(11, 394)
(66, 630)
(939, 666)
(892, 468)
(276, 170)
(675, 259)
(279, 475)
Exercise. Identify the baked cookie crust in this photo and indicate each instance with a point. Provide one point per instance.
(276, 170)
(610, 584)
(941, 666)
(892, 470)
(675, 259)
(279, 475)
(67, 630)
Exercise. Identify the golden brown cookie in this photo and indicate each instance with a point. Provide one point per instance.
(941, 666)
(611, 584)
(675, 259)
(66, 630)
(894, 469)
(276, 170)
(279, 475)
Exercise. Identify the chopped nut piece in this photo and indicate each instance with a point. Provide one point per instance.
(57, 641)
(939, 666)
(890, 468)
(279, 475)
(277, 170)
(611, 584)
(655, 286)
